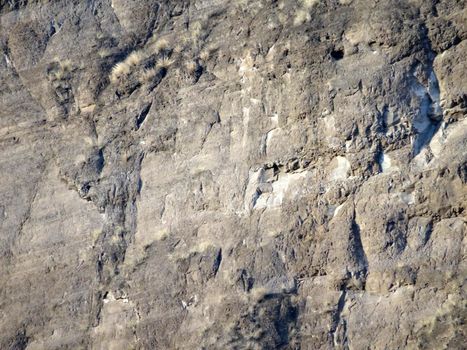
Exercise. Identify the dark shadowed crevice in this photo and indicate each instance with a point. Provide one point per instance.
(141, 117)
(20, 341)
(337, 54)
(430, 117)
(338, 332)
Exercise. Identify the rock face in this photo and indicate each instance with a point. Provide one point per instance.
(217, 174)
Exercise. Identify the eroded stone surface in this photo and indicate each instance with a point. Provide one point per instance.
(232, 174)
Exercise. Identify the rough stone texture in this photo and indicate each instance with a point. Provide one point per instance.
(270, 175)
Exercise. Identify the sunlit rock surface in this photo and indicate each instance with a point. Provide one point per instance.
(215, 174)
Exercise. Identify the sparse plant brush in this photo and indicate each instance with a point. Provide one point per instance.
(208, 51)
(134, 58)
(204, 55)
(192, 70)
(308, 4)
(282, 18)
(301, 16)
(191, 67)
(60, 70)
(95, 235)
(103, 53)
(196, 28)
(213, 47)
(186, 40)
(242, 4)
(65, 65)
(57, 75)
(303, 12)
(160, 45)
(178, 49)
(119, 71)
(123, 69)
(148, 75)
(164, 62)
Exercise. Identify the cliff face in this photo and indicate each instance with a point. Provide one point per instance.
(215, 174)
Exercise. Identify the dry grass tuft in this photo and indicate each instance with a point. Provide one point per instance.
(63, 70)
(301, 17)
(308, 4)
(196, 28)
(191, 67)
(103, 53)
(204, 55)
(65, 65)
(122, 69)
(148, 75)
(164, 62)
(242, 5)
(303, 13)
(282, 18)
(118, 71)
(134, 59)
(178, 49)
(160, 45)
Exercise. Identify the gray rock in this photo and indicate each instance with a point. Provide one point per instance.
(233, 174)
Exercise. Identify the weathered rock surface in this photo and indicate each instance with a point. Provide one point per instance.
(215, 174)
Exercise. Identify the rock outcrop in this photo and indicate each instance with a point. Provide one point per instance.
(215, 174)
